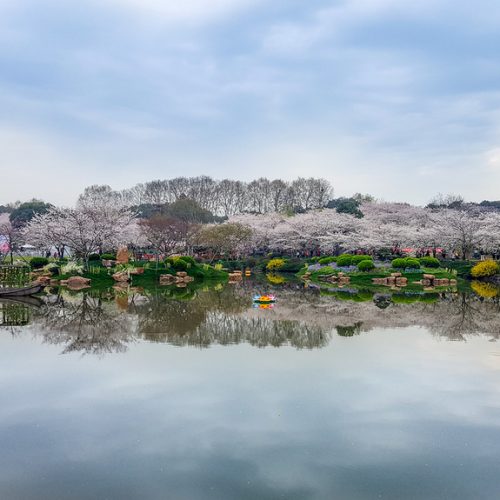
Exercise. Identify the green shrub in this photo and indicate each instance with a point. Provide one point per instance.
(189, 260)
(178, 263)
(52, 268)
(108, 256)
(38, 262)
(398, 263)
(275, 264)
(72, 268)
(406, 263)
(429, 261)
(356, 259)
(412, 263)
(94, 257)
(326, 260)
(366, 265)
(344, 260)
(484, 269)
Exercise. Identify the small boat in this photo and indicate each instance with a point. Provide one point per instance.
(264, 299)
(21, 292)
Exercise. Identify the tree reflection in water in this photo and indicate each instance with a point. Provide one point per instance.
(85, 323)
(94, 323)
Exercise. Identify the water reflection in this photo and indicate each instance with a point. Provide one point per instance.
(97, 322)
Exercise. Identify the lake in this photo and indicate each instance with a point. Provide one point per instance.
(197, 394)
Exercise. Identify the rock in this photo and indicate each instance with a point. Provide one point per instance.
(122, 255)
(121, 276)
(43, 280)
(181, 274)
(77, 280)
(77, 283)
(428, 276)
(396, 275)
(108, 263)
(137, 270)
(426, 282)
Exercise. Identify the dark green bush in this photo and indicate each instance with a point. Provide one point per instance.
(429, 262)
(108, 256)
(94, 257)
(366, 265)
(356, 259)
(344, 260)
(38, 262)
(324, 261)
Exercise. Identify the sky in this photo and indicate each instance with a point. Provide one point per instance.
(395, 98)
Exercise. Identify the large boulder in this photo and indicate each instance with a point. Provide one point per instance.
(122, 255)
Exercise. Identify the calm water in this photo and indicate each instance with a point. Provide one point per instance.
(131, 395)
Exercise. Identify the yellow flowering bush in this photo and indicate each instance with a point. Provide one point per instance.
(484, 269)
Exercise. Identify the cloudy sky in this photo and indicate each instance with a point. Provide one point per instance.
(397, 98)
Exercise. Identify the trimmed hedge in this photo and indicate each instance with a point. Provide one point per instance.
(356, 259)
(344, 260)
(429, 261)
(366, 265)
(406, 263)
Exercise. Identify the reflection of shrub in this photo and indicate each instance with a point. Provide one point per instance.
(344, 260)
(292, 266)
(429, 261)
(327, 260)
(484, 269)
(275, 264)
(38, 262)
(366, 265)
(486, 290)
(275, 278)
(356, 259)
